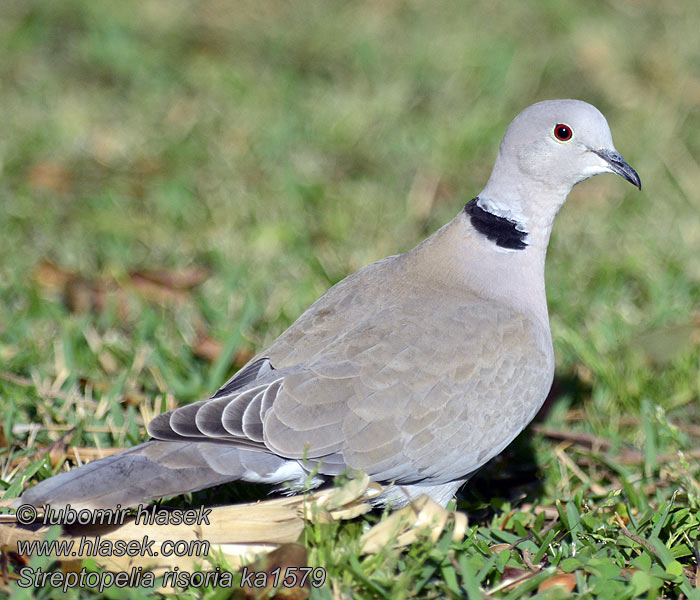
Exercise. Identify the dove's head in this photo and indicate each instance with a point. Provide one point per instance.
(561, 142)
(547, 149)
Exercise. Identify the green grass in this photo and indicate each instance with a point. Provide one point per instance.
(283, 145)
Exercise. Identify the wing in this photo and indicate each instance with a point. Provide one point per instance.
(412, 392)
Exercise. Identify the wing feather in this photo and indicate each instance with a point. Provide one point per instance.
(182, 420)
(250, 420)
(232, 415)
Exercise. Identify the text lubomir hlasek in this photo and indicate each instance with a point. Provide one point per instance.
(144, 515)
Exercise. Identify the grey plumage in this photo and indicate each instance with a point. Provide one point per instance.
(416, 369)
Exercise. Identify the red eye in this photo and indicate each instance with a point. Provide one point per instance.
(563, 132)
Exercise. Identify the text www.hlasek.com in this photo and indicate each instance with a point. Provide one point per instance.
(99, 547)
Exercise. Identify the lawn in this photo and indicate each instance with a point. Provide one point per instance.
(180, 180)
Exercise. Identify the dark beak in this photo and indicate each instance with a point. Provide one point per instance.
(619, 165)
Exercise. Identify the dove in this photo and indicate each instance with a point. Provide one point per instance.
(417, 369)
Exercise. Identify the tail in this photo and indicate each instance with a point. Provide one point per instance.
(153, 470)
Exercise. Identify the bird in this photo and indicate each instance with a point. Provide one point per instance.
(416, 370)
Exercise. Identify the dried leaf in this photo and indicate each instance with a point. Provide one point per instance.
(280, 564)
(405, 526)
(134, 398)
(512, 577)
(242, 356)
(165, 287)
(175, 279)
(57, 453)
(52, 277)
(50, 176)
(155, 292)
(207, 348)
(565, 580)
(108, 363)
(210, 349)
(84, 296)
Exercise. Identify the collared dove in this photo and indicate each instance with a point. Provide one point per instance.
(417, 369)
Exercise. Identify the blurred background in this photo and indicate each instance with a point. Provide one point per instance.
(181, 179)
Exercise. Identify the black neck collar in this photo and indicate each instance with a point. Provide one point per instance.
(502, 231)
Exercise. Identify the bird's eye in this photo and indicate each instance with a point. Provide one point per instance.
(563, 132)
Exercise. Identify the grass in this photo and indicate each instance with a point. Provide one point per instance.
(281, 146)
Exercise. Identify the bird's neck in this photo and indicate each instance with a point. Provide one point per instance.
(504, 231)
(467, 256)
(509, 203)
(510, 226)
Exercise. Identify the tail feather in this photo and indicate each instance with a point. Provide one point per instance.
(151, 470)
